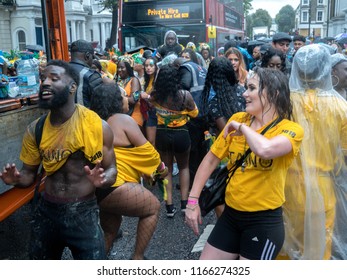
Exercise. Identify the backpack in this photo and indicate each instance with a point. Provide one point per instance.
(198, 83)
(38, 137)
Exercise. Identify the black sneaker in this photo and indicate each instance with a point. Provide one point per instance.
(170, 211)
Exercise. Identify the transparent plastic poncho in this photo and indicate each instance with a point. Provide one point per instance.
(315, 212)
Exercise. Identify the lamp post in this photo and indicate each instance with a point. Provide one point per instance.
(309, 19)
(328, 17)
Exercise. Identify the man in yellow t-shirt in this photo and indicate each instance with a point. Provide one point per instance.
(76, 151)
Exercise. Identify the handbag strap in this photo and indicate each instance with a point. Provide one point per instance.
(239, 162)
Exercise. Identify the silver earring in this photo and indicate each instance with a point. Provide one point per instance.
(337, 78)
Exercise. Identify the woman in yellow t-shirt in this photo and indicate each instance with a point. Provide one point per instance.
(251, 226)
(135, 157)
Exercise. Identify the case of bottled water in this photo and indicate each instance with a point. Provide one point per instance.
(28, 76)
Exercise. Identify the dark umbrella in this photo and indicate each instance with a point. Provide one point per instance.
(340, 36)
(329, 38)
(342, 41)
(34, 48)
(255, 43)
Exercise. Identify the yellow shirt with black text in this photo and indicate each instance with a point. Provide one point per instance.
(261, 185)
(82, 132)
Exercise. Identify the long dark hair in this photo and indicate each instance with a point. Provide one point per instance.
(166, 85)
(221, 76)
(147, 77)
(277, 88)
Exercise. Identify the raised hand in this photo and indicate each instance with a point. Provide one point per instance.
(233, 128)
(96, 175)
(10, 174)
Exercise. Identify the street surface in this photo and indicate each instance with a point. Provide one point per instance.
(172, 240)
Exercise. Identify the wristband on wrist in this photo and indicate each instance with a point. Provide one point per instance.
(193, 197)
(192, 201)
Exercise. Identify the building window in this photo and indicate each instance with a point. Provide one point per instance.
(21, 40)
(304, 17)
(305, 2)
(320, 2)
(319, 16)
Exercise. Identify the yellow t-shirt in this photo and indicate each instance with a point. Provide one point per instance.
(261, 185)
(135, 161)
(82, 132)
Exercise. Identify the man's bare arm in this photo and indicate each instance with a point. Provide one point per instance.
(21, 179)
(104, 173)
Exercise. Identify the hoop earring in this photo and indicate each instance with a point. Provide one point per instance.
(337, 78)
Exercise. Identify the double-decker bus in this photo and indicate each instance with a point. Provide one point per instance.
(144, 23)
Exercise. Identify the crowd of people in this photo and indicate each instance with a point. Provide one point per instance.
(120, 122)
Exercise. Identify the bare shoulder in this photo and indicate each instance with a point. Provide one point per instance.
(189, 101)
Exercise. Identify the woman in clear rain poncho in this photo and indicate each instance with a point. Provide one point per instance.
(315, 210)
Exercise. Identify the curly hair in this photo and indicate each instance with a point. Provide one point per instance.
(107, 101)
(271, 52)
(166, 84)
(221, 76)
(276, 85)
(241, 72)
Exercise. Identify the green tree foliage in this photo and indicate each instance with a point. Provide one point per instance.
(111, 5)
(247, 6)
(261, 18)
(285, 19)
(249, 26)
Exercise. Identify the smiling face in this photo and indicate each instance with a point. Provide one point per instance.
(55, 87)
(256, 103)
(122, 70)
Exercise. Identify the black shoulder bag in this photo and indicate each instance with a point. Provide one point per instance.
(213, 194)
(38, 137)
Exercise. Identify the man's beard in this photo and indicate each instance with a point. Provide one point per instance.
(57, 101)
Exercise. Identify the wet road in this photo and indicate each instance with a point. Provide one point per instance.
(172, 240)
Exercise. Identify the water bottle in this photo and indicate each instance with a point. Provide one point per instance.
(28, 76)
(208, 139)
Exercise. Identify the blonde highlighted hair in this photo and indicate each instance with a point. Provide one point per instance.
(241, 73)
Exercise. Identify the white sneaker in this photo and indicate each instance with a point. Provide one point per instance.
(175, 169)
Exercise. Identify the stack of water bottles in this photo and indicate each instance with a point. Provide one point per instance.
(28, 75)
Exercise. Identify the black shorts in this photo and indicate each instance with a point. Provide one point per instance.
(253, 235)
(175, 139)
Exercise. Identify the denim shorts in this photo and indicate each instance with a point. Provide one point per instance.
(175, 139)
(152, 118)
(75, 225)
